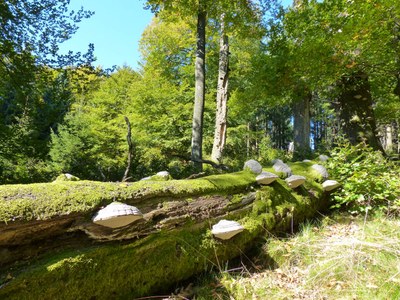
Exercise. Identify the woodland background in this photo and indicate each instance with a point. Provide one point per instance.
(320, 74)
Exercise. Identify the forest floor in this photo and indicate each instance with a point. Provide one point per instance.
(340, 257)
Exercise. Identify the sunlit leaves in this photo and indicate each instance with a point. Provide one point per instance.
(92, 142)
(168, 50)
(370, 182)
(335, 37)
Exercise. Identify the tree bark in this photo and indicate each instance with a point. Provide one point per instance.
(398, 135)
(222, 97)
(130, 149)
(199, 98)
(301, 126)
(356, 111)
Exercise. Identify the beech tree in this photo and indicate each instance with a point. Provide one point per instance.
(237, 13)
(188, 9)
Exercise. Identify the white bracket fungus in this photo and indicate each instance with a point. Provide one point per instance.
(116, 215)
(330, 185)
(266, 178)
(226, 229)
(295, 180)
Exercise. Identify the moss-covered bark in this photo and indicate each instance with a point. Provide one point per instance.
(136, 267)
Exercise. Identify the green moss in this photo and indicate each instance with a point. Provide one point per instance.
(280, 205)
(46, 200)
(259, 207)
(237, 198)
(301, 168)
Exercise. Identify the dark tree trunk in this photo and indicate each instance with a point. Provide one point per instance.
(130, 149)
(356, 111)
(301, 130)
(396, 90)
(318, 124)
(198, 111)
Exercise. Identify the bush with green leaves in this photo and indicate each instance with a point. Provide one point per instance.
(267, 152)
(369, 181)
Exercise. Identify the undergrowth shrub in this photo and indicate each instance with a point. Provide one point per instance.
(369, 181)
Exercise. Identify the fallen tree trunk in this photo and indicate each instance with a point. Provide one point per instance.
(69, 257)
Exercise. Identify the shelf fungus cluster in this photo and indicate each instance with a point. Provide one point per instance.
(116, 215)
(226, 229)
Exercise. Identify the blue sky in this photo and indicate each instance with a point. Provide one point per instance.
(115, 30)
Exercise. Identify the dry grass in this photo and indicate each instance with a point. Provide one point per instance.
(340, 258)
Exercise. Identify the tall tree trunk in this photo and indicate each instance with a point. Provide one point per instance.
(248, 141)
(301, 130)
(301, 112)
(396, 90)
(356, 111)
(198, 111)
(222, 97)
(398, 137)
(130, 149)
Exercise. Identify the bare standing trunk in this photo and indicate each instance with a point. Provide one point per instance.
(198, 110)
(398, 136)
(130, 149)
(301, 130)
(396, 91)
(222, 97)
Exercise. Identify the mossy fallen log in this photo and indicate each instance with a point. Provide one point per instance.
(62, 255)
(30, 215)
